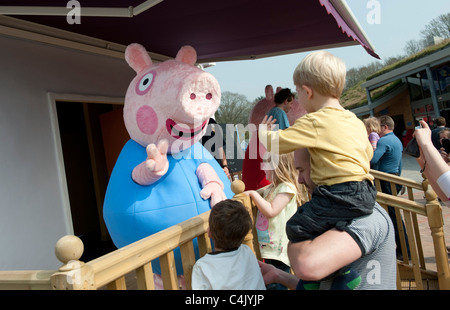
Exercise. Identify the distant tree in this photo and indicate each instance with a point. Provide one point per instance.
(392, 59)
(355, 75)
(437, 27)
(234, 109)
(412, 47)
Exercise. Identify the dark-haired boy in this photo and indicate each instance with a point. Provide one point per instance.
(232, 265)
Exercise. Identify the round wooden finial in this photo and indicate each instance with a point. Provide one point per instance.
(237, 187)
(69, 248)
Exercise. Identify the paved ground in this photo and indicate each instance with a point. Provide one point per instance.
(411, 168)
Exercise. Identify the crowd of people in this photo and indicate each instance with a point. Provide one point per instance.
(336, 235)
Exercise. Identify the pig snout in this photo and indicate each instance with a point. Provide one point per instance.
(200, 96)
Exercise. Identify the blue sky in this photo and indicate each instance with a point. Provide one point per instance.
(400, 21)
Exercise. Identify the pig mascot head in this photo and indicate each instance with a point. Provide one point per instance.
(170, 101)
(163, 175)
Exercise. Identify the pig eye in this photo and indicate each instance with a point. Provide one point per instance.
(144, 84)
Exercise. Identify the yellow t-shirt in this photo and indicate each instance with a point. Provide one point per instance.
(337, 142)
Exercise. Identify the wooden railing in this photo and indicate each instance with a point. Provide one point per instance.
(412, 266)
(111, 270)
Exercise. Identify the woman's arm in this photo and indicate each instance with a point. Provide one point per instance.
(430, 160)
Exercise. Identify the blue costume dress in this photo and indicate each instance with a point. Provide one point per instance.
(132, 211)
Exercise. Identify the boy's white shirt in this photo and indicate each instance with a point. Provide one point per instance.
(234, 270)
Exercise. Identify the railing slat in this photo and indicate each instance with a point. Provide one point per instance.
(118, 284)
(168, 271)
(204, 244)
(401, 235)
(144, 277)
(413, 250)
(436, 223)
(418, 241)
(188, 260)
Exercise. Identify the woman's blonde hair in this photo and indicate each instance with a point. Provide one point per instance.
(285, 172)
(323, 72)
(372, 124)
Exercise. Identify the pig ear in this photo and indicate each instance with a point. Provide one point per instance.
(137, 57)
(187, 54)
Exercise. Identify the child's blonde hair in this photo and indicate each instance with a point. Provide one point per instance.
(372, 124)
(323, 72)
(285, 172)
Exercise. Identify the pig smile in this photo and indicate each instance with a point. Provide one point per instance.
(178, 132)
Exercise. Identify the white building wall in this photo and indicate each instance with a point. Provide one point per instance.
(32, 213)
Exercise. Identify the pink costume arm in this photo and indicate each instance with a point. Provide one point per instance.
(212, 186)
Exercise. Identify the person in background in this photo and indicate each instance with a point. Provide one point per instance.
(373, 130)
(440, 125)
(283, 103)
(443, 134)
(388, 158)
(213, 140)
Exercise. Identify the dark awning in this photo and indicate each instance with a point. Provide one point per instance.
(218, 30)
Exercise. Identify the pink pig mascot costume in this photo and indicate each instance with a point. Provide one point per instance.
(252, 174)
(163, 175)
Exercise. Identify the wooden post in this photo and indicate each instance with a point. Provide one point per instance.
(436, 223)
(73, 274)
(238, 187)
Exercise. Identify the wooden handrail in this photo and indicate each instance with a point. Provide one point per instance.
(26, 279)
(395, 179)
(402, 203)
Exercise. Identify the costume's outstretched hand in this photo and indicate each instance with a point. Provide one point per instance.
(154, 167)
(157, 156)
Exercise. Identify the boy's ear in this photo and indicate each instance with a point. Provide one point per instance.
(208, 231)
(309, 91)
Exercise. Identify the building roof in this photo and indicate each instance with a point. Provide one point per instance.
(421, 62)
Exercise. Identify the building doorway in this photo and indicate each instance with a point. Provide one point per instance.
(400, 127)
(86, 132)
